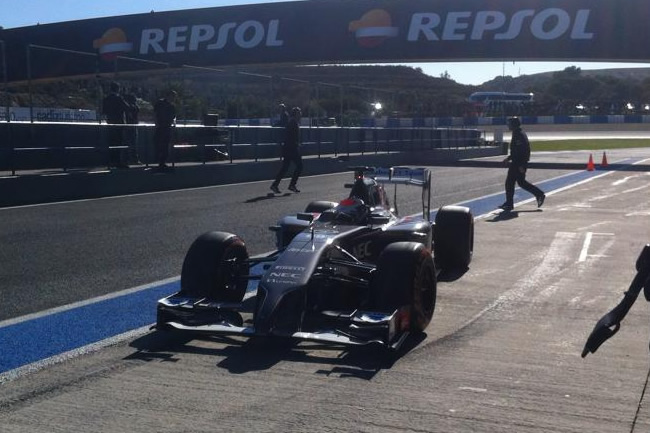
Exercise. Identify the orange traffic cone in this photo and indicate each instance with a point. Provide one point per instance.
(590, 164)
(604, 163)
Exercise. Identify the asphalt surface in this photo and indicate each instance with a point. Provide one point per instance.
(79, 250)
(502, 353)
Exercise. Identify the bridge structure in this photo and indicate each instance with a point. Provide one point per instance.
(332, 31)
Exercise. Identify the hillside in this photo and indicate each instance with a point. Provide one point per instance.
(524, 82)
(350, 92)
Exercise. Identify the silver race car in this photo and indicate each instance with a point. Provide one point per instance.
(350, 273)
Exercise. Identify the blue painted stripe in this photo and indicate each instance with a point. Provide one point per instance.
(37, 339)
(40, 338)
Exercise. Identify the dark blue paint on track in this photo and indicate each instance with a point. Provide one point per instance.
(50, 335)
(37, 339)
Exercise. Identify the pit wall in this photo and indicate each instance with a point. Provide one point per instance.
(32, 189)
(28, 146)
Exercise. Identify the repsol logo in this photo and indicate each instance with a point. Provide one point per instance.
(248, 34)
(545, 24)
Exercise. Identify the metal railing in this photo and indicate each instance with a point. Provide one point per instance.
(26, 147)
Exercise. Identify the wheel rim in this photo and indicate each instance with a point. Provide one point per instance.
(233, 268)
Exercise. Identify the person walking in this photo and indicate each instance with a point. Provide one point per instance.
(290, 152)
(518, 164)
(165, 115)
(114, 109)
(280, 125)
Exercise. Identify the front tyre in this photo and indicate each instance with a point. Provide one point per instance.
(216, 267)
(406, 276)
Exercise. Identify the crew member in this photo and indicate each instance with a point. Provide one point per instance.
(290, 152)
(165, 115)
(518, 164)
(114, 108)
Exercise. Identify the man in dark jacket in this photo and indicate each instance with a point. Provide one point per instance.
(114, 108)
(165, 114)
(518, 164)
(290, 152)
(131, 117)
(283, 119)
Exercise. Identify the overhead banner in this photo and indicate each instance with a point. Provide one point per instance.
(335, 31)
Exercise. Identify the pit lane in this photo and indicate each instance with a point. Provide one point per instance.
(503, 349)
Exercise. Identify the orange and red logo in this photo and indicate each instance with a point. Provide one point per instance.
(112, 43)
(374, 27)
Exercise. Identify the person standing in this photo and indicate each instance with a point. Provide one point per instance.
(518, 164)
(283, 119)
(165, 115)
(131, 118)
(290, 152)
(114, 108)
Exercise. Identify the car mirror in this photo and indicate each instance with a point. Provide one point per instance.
(306, 216)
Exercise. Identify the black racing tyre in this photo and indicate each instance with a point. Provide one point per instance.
(213, 268)
(319, 206)
(406, 275)
(453, 237)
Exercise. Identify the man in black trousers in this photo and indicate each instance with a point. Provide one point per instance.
(290, 152)
(165, 115)
(114, 108)
(518, 164)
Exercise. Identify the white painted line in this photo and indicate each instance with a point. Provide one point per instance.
(639, 188)
(551, 262)
(622, 181)
(471, 388)
(43, 313)
(585, 247)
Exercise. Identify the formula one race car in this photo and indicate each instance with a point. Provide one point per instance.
(350, 273)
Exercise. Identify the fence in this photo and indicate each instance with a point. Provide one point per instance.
(26, 146)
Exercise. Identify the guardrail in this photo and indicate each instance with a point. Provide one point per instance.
(472, 121)
(28, 146)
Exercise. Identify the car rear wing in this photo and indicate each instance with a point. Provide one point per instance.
(419, 176)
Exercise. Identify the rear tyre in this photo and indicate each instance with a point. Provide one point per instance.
(214, 268)
(319, 206)
(453, 237)
(406, 276)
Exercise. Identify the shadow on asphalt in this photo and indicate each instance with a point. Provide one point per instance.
(268, 196)
(256, 354)
(505, 216)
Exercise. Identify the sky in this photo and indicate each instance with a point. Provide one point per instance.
(32, 12)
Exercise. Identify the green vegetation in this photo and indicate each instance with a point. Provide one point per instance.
(348, 92)
(588, 144)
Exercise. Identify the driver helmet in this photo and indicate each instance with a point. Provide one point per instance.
(352, 210)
